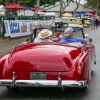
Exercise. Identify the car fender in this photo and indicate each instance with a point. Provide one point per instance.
(2, 62)
(85, 62)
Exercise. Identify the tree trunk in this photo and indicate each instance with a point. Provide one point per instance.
(60, 9)
(97, 9)
(14, 10)
(7, 10)
(77, 6)
(7, 2)
(15, 1)
(63, 6)
(38, 2)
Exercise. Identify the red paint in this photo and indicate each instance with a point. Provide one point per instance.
(51, 58)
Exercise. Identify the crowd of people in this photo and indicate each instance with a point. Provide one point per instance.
(95, 21)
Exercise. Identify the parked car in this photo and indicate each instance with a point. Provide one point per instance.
(49, 64)
(71, 20)
(86, 21)
(78, 21)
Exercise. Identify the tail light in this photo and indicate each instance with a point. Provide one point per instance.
(79, 70)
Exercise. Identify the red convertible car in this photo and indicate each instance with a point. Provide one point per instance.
(49, 64)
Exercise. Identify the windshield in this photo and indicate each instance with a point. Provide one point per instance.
(77, 32)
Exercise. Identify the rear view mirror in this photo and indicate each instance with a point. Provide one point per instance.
(90, 40)
(86, 35)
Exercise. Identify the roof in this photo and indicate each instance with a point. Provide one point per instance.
(71, 8)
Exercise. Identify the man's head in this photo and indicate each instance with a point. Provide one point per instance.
(44, 33)
(68, 32)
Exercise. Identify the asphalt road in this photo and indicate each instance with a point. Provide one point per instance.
(93, 92)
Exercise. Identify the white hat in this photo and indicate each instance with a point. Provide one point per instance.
(68, 31)
(44, 33)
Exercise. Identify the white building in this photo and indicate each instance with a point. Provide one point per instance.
(71, 8)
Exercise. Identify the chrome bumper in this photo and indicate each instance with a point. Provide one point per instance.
(43, 83)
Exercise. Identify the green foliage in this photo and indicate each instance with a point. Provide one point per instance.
(32, 3)
(2, 2)
(93, 3)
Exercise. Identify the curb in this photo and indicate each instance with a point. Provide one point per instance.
(6, 39)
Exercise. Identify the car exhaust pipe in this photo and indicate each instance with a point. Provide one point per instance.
(62, 88)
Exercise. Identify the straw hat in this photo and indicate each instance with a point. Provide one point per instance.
(44, 33)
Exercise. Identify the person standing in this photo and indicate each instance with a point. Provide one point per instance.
(96, 23)
(92, 22)
(99, 20)
(83, 21)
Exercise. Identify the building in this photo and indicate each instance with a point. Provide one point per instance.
(71, 8)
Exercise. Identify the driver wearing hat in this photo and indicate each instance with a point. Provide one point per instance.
(43, 36)
(69, 33)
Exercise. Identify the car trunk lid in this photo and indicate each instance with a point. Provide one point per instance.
(43, 58)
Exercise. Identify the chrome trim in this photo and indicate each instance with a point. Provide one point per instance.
(14, 79)
(59, 80)
(43, 83)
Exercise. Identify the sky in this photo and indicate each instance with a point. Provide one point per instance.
(82, 1)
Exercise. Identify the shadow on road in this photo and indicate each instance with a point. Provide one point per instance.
(30, 93)
(45, 93)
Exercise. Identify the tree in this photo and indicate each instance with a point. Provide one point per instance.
(2, 2)
(7, 2)
(33, 3)
(15, 1)
(63, 6)
(93, 4)
(77, 6)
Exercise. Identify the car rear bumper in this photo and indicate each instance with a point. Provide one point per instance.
(43, 83)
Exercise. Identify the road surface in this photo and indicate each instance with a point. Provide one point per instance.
(93, 92)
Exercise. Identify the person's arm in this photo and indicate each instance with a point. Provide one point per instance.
(86, 40)
(81, 40)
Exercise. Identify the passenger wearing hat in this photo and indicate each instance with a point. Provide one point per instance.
(59, 35)
(69, 37)
(43, 36)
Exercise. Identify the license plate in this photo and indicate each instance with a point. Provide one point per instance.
(38, 75)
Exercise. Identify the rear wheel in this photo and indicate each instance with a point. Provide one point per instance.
(85, 88)
(10, 88)
(91, 73)
(93, 66)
